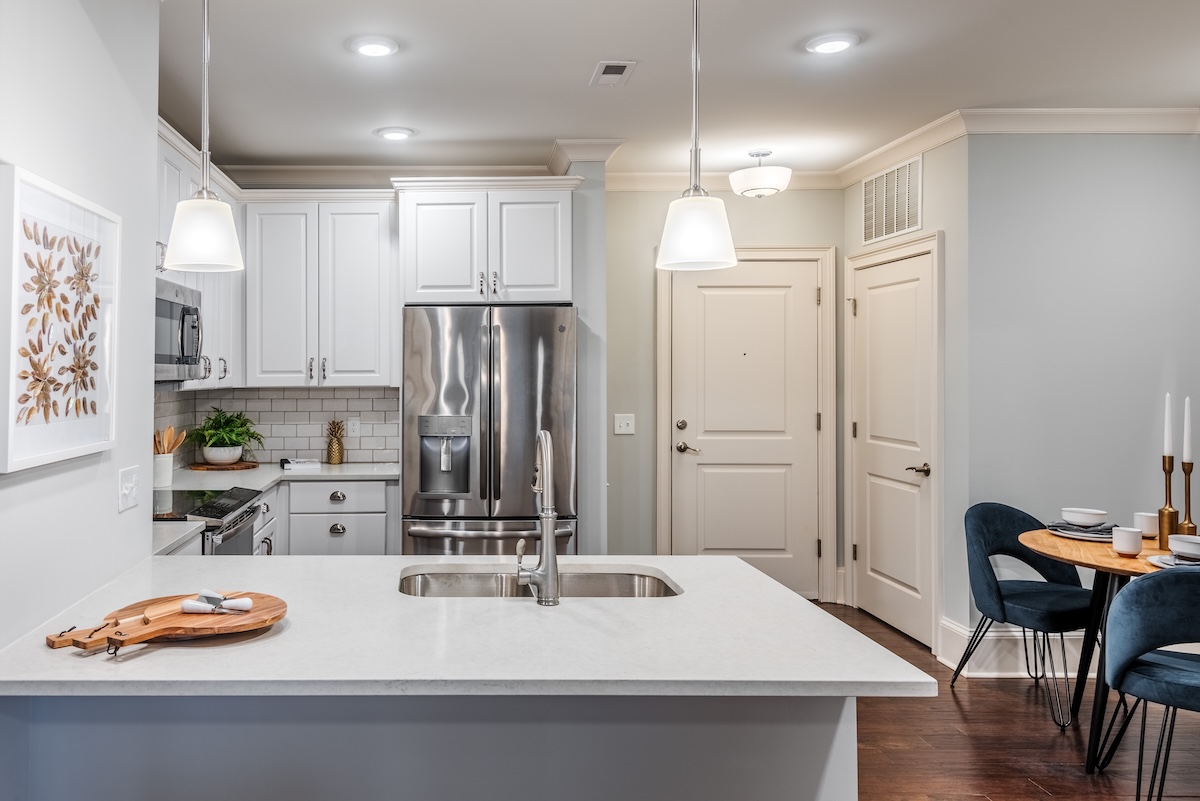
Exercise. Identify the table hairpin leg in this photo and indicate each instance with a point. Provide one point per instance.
(1100, 701)
(1091, 636)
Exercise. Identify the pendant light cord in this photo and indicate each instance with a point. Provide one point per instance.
(205, 157)
(694, 168)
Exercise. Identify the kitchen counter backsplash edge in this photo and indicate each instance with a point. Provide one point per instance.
(266, 476)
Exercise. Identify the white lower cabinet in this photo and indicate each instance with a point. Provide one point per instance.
(329, 518)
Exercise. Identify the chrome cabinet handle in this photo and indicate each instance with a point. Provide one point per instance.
(683, 447)
(270, 546)
(337, 496)
(337, 528)
(266, 508)
(482, 289)
(495, 288)
(207, 366)
(160, 255)
(224, 368)
(923, 469)
(310, 368)
(324, 372)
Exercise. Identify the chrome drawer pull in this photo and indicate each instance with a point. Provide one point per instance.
(337, 496)
(337, 528)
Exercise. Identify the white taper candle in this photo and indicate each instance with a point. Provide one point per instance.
(1187, 428)
(1167, 428)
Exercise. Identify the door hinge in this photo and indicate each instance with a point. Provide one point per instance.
(854, 430)
(818, 549)
(818, 421)
(818, 296)
(854, 553)
(853, 307)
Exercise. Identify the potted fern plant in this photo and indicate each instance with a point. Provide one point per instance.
(224, 438)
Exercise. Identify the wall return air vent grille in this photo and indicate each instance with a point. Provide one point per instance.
(892, 202)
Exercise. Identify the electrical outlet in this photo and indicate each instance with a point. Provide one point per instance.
(622, 423)
(352, 427)
(127, 488)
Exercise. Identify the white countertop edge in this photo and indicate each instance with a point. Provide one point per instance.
(441, 687)
(268, 474)
(170, 534)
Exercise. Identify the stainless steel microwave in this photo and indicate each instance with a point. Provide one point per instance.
(178, 333)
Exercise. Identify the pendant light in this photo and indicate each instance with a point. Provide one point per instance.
(760, 181)
(696, 234)
(203, 236)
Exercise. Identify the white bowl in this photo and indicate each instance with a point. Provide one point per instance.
(1083, 517)
(1185, 544)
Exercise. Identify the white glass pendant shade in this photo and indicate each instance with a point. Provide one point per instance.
(696, 236)
(760, 181)
(203, 238)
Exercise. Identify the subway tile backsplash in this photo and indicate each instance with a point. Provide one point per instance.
(292, 421)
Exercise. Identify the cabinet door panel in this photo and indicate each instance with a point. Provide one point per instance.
(445, 246)
(355, 269)
(281, 294)
(529, 246)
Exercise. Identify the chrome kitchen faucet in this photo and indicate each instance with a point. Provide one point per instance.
(544, 577)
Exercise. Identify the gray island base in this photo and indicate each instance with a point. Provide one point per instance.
(736, 688)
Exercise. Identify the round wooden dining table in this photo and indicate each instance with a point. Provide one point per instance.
(1113, 572)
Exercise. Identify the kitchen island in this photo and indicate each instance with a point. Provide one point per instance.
(736, 687)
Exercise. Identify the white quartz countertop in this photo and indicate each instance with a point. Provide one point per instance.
(349, 631)
(170, 534)
(267, 475)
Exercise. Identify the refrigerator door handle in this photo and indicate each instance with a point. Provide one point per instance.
(497, 416)
(485, 367)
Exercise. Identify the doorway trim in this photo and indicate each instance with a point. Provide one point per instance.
(827, 508)
(931, 243)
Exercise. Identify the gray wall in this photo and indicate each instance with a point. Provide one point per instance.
(1082, 303)
(78, 107)
(635, 220)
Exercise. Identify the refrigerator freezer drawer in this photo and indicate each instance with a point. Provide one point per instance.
(481, 537)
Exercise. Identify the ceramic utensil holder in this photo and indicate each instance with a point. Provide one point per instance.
(164, 466)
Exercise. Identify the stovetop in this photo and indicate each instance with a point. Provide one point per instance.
(177, 504)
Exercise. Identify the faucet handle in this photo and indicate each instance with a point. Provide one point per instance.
(520, 552)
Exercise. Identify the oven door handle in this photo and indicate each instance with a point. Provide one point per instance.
(240, 525)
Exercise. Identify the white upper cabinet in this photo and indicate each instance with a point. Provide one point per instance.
(222, 298)
(502, 246)
(319, 300)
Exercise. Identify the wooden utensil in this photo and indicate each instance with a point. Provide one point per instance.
(90, 637)
(267, 611)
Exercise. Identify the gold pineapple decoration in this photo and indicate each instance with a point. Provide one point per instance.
(335, 452)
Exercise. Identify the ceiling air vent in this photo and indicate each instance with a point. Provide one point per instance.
(892, 202)
(612, 73)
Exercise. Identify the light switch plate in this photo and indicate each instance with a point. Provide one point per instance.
(127, 488)
(622, 423)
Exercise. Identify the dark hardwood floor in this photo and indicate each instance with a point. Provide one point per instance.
(993, 739)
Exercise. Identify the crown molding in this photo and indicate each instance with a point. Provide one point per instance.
(485, 182)
(280, 195)
(189, 151)
(1082, 120)
(718, 182)
(568, 151)
(939, 132)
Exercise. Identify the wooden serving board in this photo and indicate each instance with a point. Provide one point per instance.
(234, 466)
(90, 637)
(178, 625)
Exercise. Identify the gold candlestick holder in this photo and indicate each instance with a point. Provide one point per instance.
(1186, 526)
(1168, 517)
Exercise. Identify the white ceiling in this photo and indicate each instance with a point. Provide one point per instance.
(494, 84)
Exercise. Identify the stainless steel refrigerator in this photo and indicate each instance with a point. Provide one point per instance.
(479, 383)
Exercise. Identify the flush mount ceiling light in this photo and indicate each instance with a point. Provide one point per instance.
(696, 234)
(394, 134)
(373, 46)
(203, 236)
(760, 181)
(832, 43)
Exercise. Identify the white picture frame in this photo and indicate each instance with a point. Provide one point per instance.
(58, 338)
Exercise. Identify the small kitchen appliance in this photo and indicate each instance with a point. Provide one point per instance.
(178, 333)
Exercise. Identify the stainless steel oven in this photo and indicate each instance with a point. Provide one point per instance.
(178, 333)
(228, 516)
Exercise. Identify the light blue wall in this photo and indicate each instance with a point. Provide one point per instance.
(78, 107)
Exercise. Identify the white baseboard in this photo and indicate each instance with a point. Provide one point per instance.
(1001, 655)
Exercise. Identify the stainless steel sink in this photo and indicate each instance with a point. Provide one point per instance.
(436, 581)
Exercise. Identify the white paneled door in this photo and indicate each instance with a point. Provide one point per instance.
(892, 414)
(744, 415)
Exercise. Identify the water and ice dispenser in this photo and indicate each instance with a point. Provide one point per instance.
(445, 454)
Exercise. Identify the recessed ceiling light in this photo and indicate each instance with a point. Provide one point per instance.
(373, 46)
(832, 43)
(394, 134)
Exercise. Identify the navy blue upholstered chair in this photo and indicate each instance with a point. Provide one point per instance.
(1150, 613)
(1056, 605)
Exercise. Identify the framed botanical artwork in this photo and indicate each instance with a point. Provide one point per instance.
(58, 304)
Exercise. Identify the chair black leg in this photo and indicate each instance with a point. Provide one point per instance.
(1058, 694)
(1108, 746)
(1162, 753)
(1036, 670)
(985, 623)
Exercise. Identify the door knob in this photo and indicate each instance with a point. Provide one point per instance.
(683, 447)
(923, 469)
(681, 424)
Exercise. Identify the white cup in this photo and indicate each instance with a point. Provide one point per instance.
(1127, 541)
(1147, 522)
(164, 463)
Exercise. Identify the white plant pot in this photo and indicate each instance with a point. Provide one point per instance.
(222, 455)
